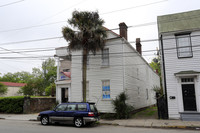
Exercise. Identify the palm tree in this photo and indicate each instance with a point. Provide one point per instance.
(89, 37)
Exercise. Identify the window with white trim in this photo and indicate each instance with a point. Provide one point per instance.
(106, 89)
(105, 57)
(184, 45)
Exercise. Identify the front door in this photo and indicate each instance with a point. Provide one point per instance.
(189, 99)
(64, 95)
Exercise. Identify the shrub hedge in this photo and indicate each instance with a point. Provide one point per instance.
(12, 104)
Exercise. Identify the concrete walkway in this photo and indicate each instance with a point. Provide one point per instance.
(23, 117)
(149, 123)
(154, 123)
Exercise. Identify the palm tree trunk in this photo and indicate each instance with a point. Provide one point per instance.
(84, 73)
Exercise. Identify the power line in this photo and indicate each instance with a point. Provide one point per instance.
(63, 10)
(35, 40)
(37, 48)
(133, 7)
(34, 26)
(52, 48)
(132, 26)
(12, 3)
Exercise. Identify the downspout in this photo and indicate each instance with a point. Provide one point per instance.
(164, 75)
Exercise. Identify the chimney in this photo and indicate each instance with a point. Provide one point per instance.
(123, 30)
(138, 46)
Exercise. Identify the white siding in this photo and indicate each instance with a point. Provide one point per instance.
(124, 73)
(96, 73)
(175, 65)
(139, 78)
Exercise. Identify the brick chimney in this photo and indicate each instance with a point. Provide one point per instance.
(138, 46)
(123, 30)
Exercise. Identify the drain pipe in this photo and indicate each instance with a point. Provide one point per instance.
(164, 76)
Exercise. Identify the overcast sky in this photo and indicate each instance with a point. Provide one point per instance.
(23, 20)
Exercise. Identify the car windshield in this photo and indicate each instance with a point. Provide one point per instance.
(93, 108)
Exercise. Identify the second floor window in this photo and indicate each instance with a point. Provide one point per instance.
(184, 46)
(105, 57)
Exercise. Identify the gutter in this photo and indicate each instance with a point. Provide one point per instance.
(164, 75)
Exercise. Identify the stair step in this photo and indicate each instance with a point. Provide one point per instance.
(190, 116)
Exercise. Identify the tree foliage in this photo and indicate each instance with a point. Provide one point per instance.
(3, 89)
(18, 77)
(89, 37)
(155, 64)
(51, 89)
(42, 78)
(37, 81)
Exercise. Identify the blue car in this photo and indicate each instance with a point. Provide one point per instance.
(77, 113)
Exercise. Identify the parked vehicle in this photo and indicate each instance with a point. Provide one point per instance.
(77, 113)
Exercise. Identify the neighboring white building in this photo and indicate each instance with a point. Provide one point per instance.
(180, 54)
(118, 68)
(13, 88)
(63, 82)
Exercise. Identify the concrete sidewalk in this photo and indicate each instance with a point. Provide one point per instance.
(23, 117)
(154, 123)
(148, 123)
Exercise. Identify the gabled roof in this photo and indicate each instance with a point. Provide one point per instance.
(185, 21)
(13, 84)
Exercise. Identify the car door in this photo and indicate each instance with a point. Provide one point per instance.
(68, 114)
(58, 113)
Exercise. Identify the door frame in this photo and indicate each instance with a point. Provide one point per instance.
(184, 101)
(180, 94)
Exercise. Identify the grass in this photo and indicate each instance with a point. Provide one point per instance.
(40, 96)
(149, 113)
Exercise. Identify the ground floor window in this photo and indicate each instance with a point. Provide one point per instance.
(106, 89)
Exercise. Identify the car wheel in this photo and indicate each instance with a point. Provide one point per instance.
(45, 120)
(78, 122)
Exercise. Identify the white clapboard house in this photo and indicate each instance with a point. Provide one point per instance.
(180, 53)
(118, 68)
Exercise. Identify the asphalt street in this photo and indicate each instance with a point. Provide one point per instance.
(15, 126)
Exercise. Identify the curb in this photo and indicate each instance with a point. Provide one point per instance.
(161, 127)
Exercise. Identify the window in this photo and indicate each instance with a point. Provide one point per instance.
(61, 107)
(82, 107)
(105, 57)
(93, 108)
(184, 80)
(184, 46)
(71, 107)
(106, 89)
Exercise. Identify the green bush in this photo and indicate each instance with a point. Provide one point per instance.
(12, 104)
(3, 89)
(108, 116)
(49, 89)
(122, 109)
